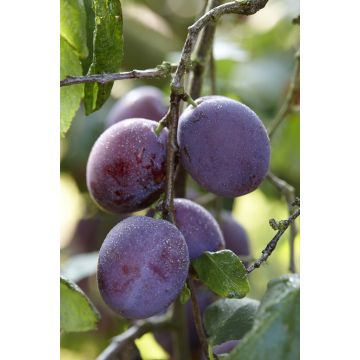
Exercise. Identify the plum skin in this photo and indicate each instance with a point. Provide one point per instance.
(142, 267)
(127, 166)
(200, 229)
(142, 102)
(235, 236)
(224, 146)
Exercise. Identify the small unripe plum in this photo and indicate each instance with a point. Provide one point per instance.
(142, 267)
(126, 167)
(200, 229)
(226, 347)
(143, 102)
(236, 238)
(224, 146)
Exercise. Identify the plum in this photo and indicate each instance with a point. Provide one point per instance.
(224, 146)
(225, 347)
(127, 166)
(200, 229)
(142, 267)
(142, 102)
(235, 236)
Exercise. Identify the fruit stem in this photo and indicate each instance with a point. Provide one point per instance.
(189, 99)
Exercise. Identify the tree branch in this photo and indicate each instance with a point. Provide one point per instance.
(140, 328)
(197, 319)
(202, 53)
(289, 100)
(289, 193)
(270, 247)
(161, 71)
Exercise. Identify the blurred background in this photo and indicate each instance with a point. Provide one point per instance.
(254, 59)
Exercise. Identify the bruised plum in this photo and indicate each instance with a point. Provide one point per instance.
(126, 167)
(224, 146)
(236, 238)
(142, 267)
(200, 229)
(143, 102)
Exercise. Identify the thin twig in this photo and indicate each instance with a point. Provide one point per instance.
(161, 71)
(197, 319)
(140, 328)
(289, 193)
(202, 53)
(287, 107)
(270, 247)
(213, 73)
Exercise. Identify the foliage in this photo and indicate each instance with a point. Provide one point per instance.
(229, 319)
(223, 273)
(107, 51)
(276, 331)
(77, 313)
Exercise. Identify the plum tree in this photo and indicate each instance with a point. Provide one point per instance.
(224, 146)
(143, 102)
(126, 167)
(142, 267)
(236, 238)
(200, 229)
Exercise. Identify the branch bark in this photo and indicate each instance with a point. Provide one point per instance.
(289, 193)
(202, 54)
(289, 100)
(161, 71)
(197, 319)
(140, 328)
(270, 247)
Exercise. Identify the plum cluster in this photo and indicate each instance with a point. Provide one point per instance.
(144, 261)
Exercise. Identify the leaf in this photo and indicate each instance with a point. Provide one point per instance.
(80, 266)
(90, 26)
(229, 319)
(70, 96)
(107, 51)
(276, 331)
(185, 294)
(77, 313)
(73, 25)
(223, 273)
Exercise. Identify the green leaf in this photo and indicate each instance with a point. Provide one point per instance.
(73, 25)
(90, 26)
(77, 313)
(276, 331)
(185, 294)
(70, 96)
(80, 266)
(229, 319)
(223, 273)
(107, 51)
